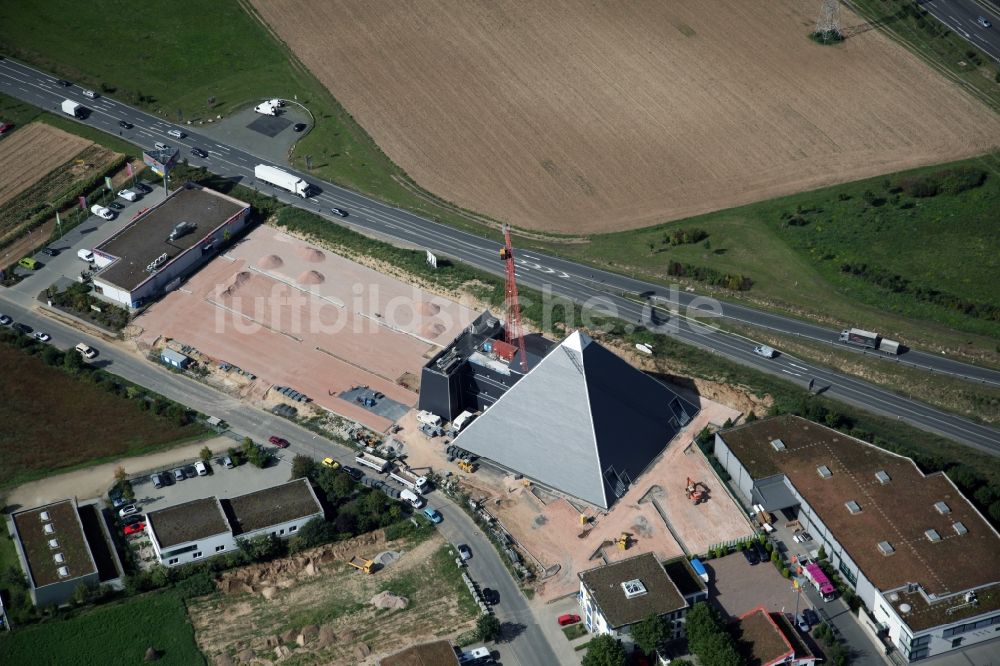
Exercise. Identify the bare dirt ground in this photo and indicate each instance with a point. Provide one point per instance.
(32, 152)
(572, 117)
(297, 315)
(315, 609)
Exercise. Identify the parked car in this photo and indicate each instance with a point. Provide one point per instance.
(178, 474)
(128, 510)
(101, 211)
(190, 471)
(801, 623)
(280, 442)
(124, 124)
(50, 252)
(133, 519)
(298, 127)
(331, 463)
(339, 212)
(135, 528)
(116, 205)
(143, 187)
(765, 351)
(750, 554)
(22, 328)
(29, 263)
(198, 152)
(6, 127)
(129, 195)
(118, 502)
(568, 619)
(201, 468)
(44, 337)
(761, 551)
(227, 462)
(491, 596)
(5, 320)
(810, 616)
(464, 551)
(433, 515)
(86, 350)
(355, 474)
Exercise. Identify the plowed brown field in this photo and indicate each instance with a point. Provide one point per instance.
(583, 117)
(32, 152)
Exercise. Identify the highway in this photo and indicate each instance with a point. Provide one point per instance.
(631, 300)
(961, 16)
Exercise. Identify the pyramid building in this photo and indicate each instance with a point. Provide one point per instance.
(583, 421)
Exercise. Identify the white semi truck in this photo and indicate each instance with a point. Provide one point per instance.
(869, 339)
(368, 460)
(72, 108)
(282, 179)
(409, 478)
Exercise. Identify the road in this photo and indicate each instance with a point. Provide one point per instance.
(601, 291)
(962, 16)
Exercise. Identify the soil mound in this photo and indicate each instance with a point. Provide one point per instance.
(270, 262)
(312, 277)
(311, 254)
(429, 309)
(432, 330)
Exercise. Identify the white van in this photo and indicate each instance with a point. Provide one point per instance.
(86, 255)
(176, 133)
(91, 94)
(461, 421)
(415, 500)
(267, 109)
(201, 468)
(427, 418)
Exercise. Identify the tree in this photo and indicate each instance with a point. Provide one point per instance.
(73, 362)
(650, 633)
(605, 651)
(259, 548)
(205, 454)
(120, 474)
(302, 467)
(488, 627)
(821, 554)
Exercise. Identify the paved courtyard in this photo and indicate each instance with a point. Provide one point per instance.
(737, 587)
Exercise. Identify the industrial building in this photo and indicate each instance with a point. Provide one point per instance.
(202, 528)
(582, 420)
(166, 243)
(922, 559)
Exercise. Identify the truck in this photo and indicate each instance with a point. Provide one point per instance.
(409, 478)
(369, 460)
(362, 564)
(282, 179)
(415, 500)
(72, 108)
(479, 655)
(267, 108)
(869, 339)
(820, 581)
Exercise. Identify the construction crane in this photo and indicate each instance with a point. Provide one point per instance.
(512, 331)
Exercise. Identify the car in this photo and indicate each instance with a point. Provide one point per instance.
(339, 212)
(464, 551)
(6, 127)
(22, 328)
(765, 351)
(5, 320)
(810, 616)
(355, 474)
(190, 471)
(86, 350)
(101, 211)
(176, 133)
(198, 152)
(133, 519)
(44, 337)
(135, 528)
(227, 462)
(750, 555)
(433, 514)
(761, 551)
(118, 502)
(64, 83)
(124, 124)
(128, 195)
(985, 22)
(331, 463)
(128, 510)
(568, 619)
(280, 442)
(159, 145)
(29, 263)
(90, 93)
(491, 596)
(178, 474)
(116, 205)
(50, 252)
(801, 623)
(142, 188)
(201, 468)
(298, 127)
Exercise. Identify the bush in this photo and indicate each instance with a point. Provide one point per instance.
(197, 585)
(488, 627)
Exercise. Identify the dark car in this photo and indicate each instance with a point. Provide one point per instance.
(298, 127)
(142, 187)
(491, 596)
(64, 83)
(339, 212)
(4, 320)
(22, 328)
(355, 474)
(751, 556)
(810, 616)
(761, 551)
(124, 124)
(134, 518)
(198, 152)
(116, 205)
(50, 252)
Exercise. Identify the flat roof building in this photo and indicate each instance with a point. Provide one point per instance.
(768, 639)
(920, 556)
(165, 243)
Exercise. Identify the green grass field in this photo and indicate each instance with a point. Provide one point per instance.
(113, 634)
(946, 243)
(53, 422)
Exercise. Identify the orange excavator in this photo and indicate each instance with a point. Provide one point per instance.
(696, 491)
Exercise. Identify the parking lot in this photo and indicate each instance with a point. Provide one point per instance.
(737, 587)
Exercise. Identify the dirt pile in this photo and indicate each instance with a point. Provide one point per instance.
(389, 601)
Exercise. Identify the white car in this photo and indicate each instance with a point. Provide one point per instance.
(129, 195)
(86, 350)
(765, 351)
(176, 133)
(101, 211)
(44, 337)
(5, 320)
(128, 510)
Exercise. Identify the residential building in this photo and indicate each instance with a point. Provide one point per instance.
(767, 639)
(920, 557)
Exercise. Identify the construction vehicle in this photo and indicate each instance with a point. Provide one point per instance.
(513, 334)
(466, 466)
(368, 460)
(409, 478)
(696, 491)
(624, 541)
(361, 564)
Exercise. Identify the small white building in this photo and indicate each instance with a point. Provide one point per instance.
(206, 527)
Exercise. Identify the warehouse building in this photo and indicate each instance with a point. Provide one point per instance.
(603, 420)
(922, 559)
(166, 243)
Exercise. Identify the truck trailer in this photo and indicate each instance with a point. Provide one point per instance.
(368, 460)
(72, 108)
(869, 339)
(410, 479)
(282, 179)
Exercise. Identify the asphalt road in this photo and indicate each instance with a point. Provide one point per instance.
(632, 300)
(962, 16)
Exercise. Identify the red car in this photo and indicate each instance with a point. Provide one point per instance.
(4, 127)
(568, 619)
(278, 441)
(134, 528)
